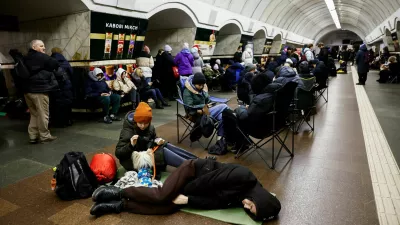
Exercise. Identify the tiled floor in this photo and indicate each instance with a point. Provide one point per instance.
(327, 182)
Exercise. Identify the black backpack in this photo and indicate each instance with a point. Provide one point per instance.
(207, 126)
(20, 69)
(74, 178)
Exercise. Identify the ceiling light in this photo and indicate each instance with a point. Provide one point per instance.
(330, 4)
(332, 10)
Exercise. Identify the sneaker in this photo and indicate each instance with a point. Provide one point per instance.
(115, 118)
(50, 139)
(107, 120)
(33, 141)
(150, 100)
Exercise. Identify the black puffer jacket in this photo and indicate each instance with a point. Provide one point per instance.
(227, 185)
(244, 92)
(146, 139)
(41, 68)
(285, 75)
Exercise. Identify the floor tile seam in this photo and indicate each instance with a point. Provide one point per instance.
(370, 125)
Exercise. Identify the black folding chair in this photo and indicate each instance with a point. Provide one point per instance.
(321, 90)
(188, 121)
(304, 106)
(280, 124)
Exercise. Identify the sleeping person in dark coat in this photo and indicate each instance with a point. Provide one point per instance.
(200, 183)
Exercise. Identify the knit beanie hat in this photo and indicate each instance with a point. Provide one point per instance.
(194, 50)
(167, 48)
(146, 49)
(185, 45)
(249, 67)
(304, 67)
(143, 113)
(199, 78)
(218, 61)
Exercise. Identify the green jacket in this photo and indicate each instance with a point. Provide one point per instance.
(193, 98)
(146, 139)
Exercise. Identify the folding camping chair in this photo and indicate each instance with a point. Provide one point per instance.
(188, 121)
(304, 106)
(280, 125)
(321, 90)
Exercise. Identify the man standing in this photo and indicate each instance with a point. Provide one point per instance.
(362, 62)
(36, 87)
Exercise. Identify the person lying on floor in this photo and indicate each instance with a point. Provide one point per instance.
(195, 95)
(200, 183)
(139, 135)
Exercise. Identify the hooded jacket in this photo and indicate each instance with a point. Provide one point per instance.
(166, 63)
(124, 148)
(198, 63)
(244, 91)
(286, 74)
(309, 54)
(362, 59)
(145, 62)
(194, 98)
(321, 74)
(63, 62)
(227, 185)
(185, 61)
(247, 56)
(41, 68)
(124, 85)
(64, 95)
(95, 87)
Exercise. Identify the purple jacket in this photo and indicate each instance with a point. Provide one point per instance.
(107, 78)
(185, 61)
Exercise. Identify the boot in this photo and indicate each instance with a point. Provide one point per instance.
(164, 103)
(159, 105)
(100, 209)
(106, 194)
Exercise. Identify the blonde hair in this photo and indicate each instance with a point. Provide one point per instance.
(56, 50)
(138, 72)
(392, 59)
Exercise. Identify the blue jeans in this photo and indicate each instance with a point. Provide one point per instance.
(134, 96)
(175, 156)
(147, 79)
(216, 113)
(153, 93)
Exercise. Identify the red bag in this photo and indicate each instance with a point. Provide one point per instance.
(176, 71)
(104, 167)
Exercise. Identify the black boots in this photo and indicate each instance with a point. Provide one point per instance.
(100, 209)
(106, 194)
(108, 200)
(164, 103)
(159, 105)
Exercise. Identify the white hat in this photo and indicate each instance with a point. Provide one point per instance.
(167, 48)
(289, 61)
(185, 45)
(97, 71)
(218, 61)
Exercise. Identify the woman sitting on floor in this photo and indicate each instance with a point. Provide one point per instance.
(139, 135)
(201, 183)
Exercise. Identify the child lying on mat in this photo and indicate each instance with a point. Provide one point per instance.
(198, 183)
(139, 135)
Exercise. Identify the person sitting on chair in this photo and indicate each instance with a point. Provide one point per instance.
(195, 95)
(138, 134)
(123, 85)
(389, 71)
(200, 183)
(97, 89)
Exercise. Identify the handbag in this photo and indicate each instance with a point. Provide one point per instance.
(175, 71)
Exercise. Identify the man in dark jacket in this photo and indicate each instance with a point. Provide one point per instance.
(362, 62)
(204, 184)
(98, 90)
(139, 135)
(37, 87)
(321, 73)
(284, 55)
(167, 79)
(229, 78)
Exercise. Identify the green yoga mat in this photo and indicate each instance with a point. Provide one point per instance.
(232, 215)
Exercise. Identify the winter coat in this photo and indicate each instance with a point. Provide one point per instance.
(283, 58)
(166, 63)
(95, 87)
(237, 57)
(63, 63)
(41, 68)
(247, 56)
(321, 74)
(185, 62)
(255, 119)
(145, 62)
(124, 85)
(244, 91)
(362, 60)
(124, 148)
(307, 82)
(221, 185)
(286, 74)
(141, 84)
(157, 69)
(198, 63)
(309, 54)
(230, 73)
(324, 54)
(193, 98)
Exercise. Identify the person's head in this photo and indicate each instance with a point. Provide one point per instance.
(98, 73)
(304, 68)
(239, 49)
(250, 67)
(250, 205)
(56, 50)
(143, 116)
(146, 49)
(289, 50)
(320, 45)
(194, 50)
(198, 81)
(139, 72)
(385, 49)
(160, 51)
(121, 73)
(38, 46)
(218, 61)
(259, 82)
(289, 62)
(314, 62)
(310, 46)
(185, 45)
(392, 59)
(167, 48)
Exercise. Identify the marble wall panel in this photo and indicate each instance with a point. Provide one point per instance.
(258, 46)
(227, 44)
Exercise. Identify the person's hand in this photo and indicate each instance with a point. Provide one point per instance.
(150, 83)
(199, 111)
(122, 96)
(134, 139)
(205, 110)
(160, 141)
(105, 94)
(181, 200)
(247, 106)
